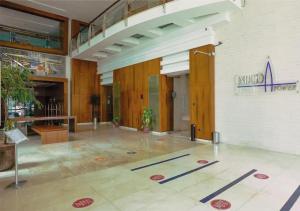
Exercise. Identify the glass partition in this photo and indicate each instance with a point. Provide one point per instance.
(116, 100)
(154, 100)
(28, 31)
(24, 37)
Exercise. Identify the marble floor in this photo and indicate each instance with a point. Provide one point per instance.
(101, 167)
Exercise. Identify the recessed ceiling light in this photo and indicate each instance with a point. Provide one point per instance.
(46, 5)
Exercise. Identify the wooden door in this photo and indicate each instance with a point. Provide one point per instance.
(201, 90)
(106, 103)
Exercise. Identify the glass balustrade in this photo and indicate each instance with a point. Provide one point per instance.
(24, 37)
(119, 11)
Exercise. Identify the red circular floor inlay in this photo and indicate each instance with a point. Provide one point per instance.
(157, 177)
(220, 204)
(261, 176)
(202, 161)
(81, 203)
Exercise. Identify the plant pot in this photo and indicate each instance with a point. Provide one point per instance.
(116, 124)
(146, 130)
(7, 156)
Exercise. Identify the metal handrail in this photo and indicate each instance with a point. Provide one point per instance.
(29, 33)
(92, 29)
(102, 13)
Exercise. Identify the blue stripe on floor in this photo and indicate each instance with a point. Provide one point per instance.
(291, 201)
(211, 196)
(186, 173)
(152, 164)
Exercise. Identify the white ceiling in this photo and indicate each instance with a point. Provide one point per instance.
(83, 10)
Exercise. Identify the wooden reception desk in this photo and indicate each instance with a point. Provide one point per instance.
(71, 120)
(51, 133)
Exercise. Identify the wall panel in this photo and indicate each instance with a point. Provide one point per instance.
(84, 85)
(134, 86)
(202, 110)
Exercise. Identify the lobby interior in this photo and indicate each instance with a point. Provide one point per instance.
(135, 105)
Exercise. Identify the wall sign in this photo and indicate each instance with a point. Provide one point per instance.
(263, 83)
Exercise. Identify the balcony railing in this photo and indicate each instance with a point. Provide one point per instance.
(117, 12)
(25, 37)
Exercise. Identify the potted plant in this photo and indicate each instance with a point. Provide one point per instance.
(15, 85)
(147, 118)
(116, 121)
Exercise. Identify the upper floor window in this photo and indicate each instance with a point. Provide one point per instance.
(26, 30)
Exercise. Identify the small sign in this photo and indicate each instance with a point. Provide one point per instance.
(157, 177)
(84, 202)
(261, 176)
(220, 204)
(15, 136)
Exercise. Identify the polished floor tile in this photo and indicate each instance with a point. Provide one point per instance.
(96, 164)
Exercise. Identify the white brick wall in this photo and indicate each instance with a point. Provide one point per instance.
(270, 121)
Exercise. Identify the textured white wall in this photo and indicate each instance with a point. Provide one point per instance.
(270, 121)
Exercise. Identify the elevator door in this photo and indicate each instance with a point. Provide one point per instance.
(201, 91)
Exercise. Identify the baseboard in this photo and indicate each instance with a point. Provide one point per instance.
(128, 128)
(105, 123)
(159, 133)
(85, 123)
(203, 141)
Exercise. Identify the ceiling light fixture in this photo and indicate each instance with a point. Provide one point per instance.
(46, 5)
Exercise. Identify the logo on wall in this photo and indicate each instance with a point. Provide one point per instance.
(263, 82)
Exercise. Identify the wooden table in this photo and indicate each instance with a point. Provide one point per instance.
(51, 134)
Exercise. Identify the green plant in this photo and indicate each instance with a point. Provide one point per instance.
(147, 118)
(9, 124)
(116, 120)
(15, 85)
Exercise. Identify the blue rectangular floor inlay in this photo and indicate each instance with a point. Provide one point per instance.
(291, 201)
(152, 164)
(186, 173)
(214, 194)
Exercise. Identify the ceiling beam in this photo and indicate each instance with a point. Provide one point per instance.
(130, 41)
(113, 49)
(183, 22)
(153, 33)
(100, 55)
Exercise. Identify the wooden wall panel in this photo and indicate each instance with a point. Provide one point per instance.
(134, 88)
(84, 85)
(202, 110)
